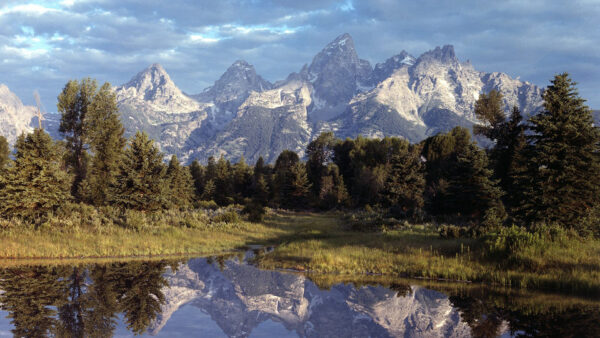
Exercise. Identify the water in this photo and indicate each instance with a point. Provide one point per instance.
(228, 297)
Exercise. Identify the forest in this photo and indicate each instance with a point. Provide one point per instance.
(544, 172)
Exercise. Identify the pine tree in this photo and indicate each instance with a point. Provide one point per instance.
(209, 191)
(299, 186)
(140, 180)
(472, 192)
(73, 103)
(320, 153)
(242, 179)
(564, 157)
(223, 182)
(283, 177)
(260, 185)
(180, 184)
(35, 183)
(333, 191)
(406, 181)
(488, 109)
(104, 133)
(510, 167)
(4, 152)
(197, 172)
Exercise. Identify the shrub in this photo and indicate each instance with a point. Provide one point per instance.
(229, 217)
(135, 220)
(513, 239)
(255, 212)
(210, 205)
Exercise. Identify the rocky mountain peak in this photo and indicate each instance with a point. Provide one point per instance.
(15, 118)
(444, 55)
(233, 87)
(385, 69)
(152, 82)
(337, 74)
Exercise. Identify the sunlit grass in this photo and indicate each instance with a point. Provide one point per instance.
(321, 243)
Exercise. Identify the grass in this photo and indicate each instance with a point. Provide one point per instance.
(316, 243)
(323, 246)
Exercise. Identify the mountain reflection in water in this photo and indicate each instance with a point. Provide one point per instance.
(225, 296)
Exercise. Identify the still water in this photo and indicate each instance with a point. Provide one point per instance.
(229, 297)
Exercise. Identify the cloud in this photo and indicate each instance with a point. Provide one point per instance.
(45, 43)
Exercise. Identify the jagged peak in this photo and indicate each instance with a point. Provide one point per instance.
(153, 75)
(444, 54)
(340, 44)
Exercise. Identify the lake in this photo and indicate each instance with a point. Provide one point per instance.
(227, 296)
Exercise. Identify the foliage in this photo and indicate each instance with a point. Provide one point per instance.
(564, 157)
(140, 180)
(180, 185)
(35, 183)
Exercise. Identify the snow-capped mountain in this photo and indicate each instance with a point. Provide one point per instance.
(15, 117)
(242, 114)
(239, 297)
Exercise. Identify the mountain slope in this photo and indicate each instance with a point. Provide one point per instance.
(15, 117)
(239, 297)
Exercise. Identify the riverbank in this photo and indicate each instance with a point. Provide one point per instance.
(321, 243)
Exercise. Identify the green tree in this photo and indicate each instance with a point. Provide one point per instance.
(35, 183)
(283, 177)
(104, 133)
(30, 296)
(405, 183)
(299, 186)
(488, 109)
(333, 191)
(140, 180)
(197, 172)
(223, 182)
(564, 157)
(242, 179)
(73, 103)
(4, 152)
(471, 192)
(320, 153)
(260, 184)
(180, 184)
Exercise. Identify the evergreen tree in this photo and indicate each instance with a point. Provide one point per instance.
(223, 182)
(4, 152)
(299, 186)
(35, 183)
(242, 179)
(140, 180)
(511, 166)
(197, 172)
(406, 181)
(472, 192)
(30, 296)
(488, 109)
(260, 185)
(104, 133)
(320, 153)
(209, 191)
(333, 191)
(564, 157)
(73, 103)
(181, 185)
(283, 177)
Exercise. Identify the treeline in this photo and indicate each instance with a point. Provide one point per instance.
(542, 171)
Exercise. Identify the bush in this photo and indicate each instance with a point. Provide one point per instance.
(255, 211)
(210, 205)
(513, 239)
(229, 217)
(135, 220)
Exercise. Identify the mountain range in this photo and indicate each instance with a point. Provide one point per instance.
(244, 115)
(239, 297)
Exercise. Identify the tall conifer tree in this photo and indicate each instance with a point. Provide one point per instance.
(181, 184)
(73, 103)
(104, 133)
(564, 157)
(35, 183)
(140, 181)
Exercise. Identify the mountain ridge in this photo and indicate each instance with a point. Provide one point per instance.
(242, 114)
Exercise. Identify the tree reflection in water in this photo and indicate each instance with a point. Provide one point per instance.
(82, 301)
(88, 300)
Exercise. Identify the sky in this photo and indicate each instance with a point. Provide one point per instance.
(43, 44)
